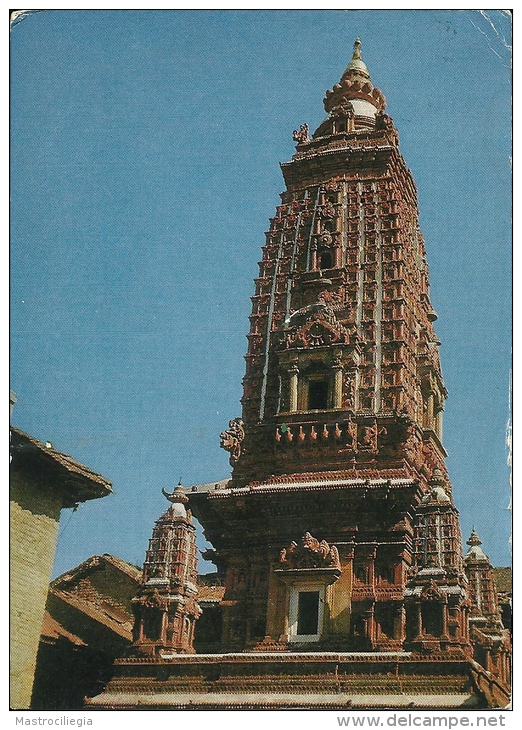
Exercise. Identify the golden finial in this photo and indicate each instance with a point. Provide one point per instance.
(357, 65)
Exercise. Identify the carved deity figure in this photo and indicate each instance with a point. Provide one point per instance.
(327, 211)
(231, 439)
(151, 600)
(368, 436)
(286, 552)
(351, 436)
(302, 134)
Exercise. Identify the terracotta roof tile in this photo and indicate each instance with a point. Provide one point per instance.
(210, 593)
(51, 629)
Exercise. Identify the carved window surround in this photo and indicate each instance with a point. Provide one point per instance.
(306, 580)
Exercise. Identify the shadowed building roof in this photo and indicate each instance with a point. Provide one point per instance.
(77, 482)
(93, 601)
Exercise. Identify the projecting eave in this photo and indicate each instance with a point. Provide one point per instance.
(208, 487)
(320, 484)
(429, 433)
(75, 481)
(305, 167)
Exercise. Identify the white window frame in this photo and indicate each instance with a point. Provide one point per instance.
(293, 610)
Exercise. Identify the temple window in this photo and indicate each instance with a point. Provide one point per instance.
(325, 260)
(432, 618)
(258, 627)
(317, 395)
(385, 574)
(306, 613)
(152, 624)
(361, 573)
(385, 619)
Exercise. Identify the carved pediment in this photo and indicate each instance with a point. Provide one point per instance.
(431, 592)
(314, 326)
(318, 310)
(309, 553)
(151, 599)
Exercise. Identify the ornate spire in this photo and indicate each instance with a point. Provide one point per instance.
(357, 65)
(475, 552)
(473, 538)
(356, 86)
(166, 606)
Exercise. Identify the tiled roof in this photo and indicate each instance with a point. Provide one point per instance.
(209, 486)
(106, 600)
(51, 629)
(210, 594)
(66, 578)
(95, 606)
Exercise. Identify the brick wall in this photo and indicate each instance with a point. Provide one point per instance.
(35, 513)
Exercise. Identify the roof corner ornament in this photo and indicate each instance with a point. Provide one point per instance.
(178, 495)
(301, 135)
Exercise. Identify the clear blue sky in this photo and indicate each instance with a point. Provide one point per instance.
(145, 165)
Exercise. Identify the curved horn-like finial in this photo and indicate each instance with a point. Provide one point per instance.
(178, 495)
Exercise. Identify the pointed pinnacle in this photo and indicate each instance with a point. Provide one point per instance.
(473, 538)
(357, 65)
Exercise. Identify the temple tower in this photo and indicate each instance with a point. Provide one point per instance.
(343, 364)
(436, 595)
(336, 538)
(491, 641)
(340, 434)
(165, 607)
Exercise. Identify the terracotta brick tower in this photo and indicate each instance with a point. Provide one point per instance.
(165, 607)
(491, 641)
(436, 595)
(340, 434)
(336, 538)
